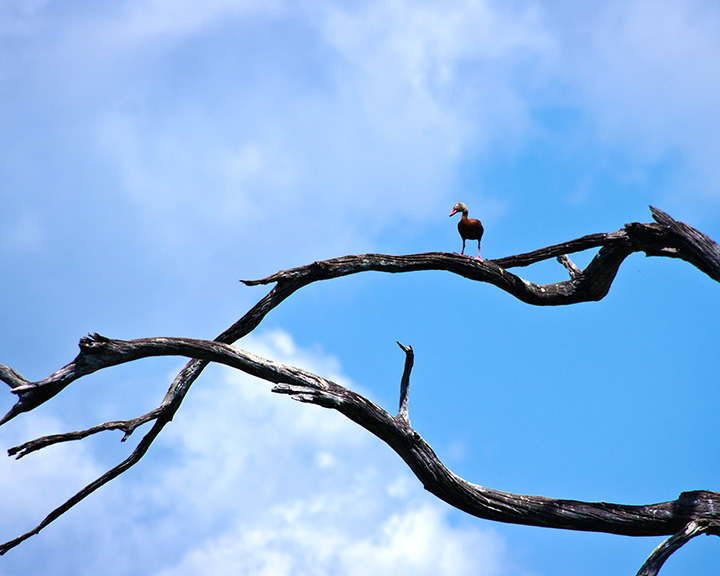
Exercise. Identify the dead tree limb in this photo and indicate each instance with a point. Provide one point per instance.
(669, 238)
(658, 557)
(665, 237)
(634, 520)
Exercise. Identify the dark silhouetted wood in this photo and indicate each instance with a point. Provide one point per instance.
(690, 514)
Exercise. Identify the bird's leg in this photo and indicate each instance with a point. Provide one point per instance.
(463, 250)
(479, 257)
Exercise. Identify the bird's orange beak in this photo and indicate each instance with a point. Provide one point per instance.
(453, 213)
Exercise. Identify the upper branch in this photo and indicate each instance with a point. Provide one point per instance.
(665, 238)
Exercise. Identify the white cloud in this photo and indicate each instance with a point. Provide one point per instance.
(306, 539)
(234, 121)
(302, 490)
(176, 19)
(63, 467)
(432, 84)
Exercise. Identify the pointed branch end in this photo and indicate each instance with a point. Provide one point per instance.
(405, 384)
(14, 411)
(277, 277)
(659, 216)
(406, 349)
(17, 451)
(12, 378)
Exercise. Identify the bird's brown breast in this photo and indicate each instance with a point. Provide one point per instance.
(470, 229)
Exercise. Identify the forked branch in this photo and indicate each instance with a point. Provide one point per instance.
(654, 519)
(665, 237)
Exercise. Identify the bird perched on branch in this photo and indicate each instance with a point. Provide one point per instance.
(469, 228)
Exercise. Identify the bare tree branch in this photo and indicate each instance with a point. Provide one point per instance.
(676, 241)
(403, 414)
(654, 519)
(673, 239)
(666, 237)
(694, 528)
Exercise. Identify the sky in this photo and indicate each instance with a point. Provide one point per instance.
(156, 152)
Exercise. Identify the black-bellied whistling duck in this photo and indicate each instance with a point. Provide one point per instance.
(469, 228)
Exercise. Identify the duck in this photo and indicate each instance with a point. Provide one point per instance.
(469, 228)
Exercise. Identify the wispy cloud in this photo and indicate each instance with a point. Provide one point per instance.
(346, 117)
(310, 537)
(302, 490)
(231, 119)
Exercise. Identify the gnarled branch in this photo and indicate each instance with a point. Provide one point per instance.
(669, 238)
(653, 519)
(665, 237)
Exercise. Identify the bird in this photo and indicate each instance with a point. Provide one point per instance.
(469, 228)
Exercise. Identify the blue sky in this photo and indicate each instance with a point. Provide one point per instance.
(155, 152)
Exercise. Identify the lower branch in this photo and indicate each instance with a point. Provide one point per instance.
(649, 520)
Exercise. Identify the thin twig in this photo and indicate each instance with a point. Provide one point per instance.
(573, 270)
(405, 384)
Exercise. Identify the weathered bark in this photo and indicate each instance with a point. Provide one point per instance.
(403, 413)
(649, 520)
(675, 542)
(666, 237)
